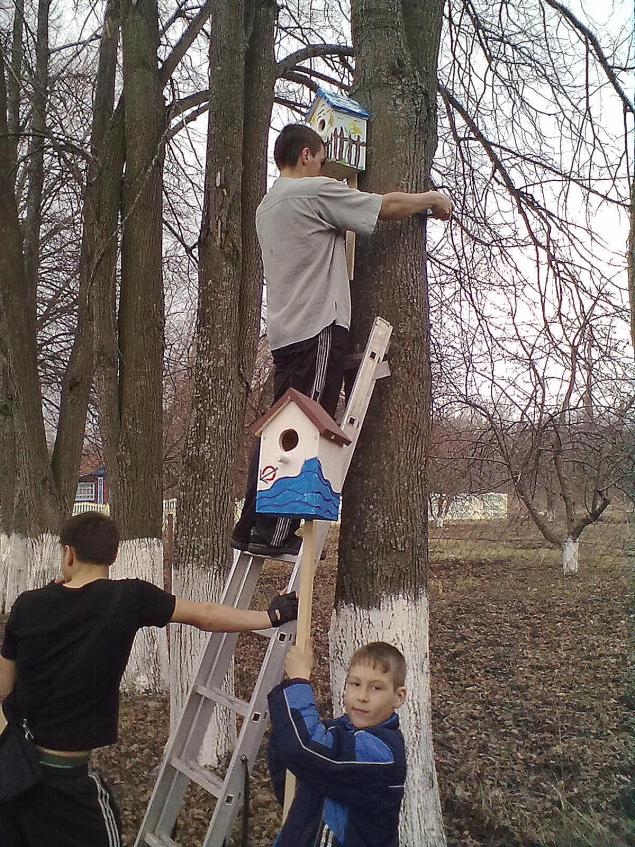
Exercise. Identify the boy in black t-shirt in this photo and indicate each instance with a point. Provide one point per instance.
(64, 652)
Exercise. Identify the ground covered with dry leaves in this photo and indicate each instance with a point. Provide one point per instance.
(532, 705)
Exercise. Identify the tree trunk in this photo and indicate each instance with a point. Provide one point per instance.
(570, 556)
(14, 125)
(37, 506)
(242, 76)
(77, 380)
(381, 586)
(631, 261)
(7, 466)
(39, 100)
(132, 412)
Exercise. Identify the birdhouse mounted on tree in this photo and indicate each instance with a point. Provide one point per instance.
(342, 123)
(300, 468)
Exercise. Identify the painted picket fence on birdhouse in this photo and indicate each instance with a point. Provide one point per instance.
(341, 123)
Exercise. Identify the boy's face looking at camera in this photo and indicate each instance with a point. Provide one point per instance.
(374, 684)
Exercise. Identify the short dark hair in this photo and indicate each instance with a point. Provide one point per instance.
(93, 536)
(291, 142)
(384, 656)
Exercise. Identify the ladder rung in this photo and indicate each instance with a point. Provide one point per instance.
(212, 783)
(158, 840)
(224, 699)
(265, 633)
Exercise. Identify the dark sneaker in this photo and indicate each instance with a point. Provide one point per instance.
(289, 547)
(239, 543)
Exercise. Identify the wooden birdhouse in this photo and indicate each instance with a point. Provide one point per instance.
(342, 123)
(301, 466)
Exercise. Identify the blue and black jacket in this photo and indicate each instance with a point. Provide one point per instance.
(350, 781)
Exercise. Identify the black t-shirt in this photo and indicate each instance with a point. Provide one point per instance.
(46, 627)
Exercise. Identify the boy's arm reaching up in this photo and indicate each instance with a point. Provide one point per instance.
(340, 763)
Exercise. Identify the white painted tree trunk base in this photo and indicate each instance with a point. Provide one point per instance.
(44, 560)
(570, 563)
(404, 623)
(29, 563)
(147, 669)
(186, 646)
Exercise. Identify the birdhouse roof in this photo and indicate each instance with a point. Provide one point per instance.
(320, 419)
(339, 102)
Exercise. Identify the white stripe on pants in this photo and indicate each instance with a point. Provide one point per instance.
(103, 798)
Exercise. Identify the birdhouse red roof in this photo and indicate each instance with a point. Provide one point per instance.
(320, 418)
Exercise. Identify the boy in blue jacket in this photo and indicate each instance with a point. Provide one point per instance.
(350, 771)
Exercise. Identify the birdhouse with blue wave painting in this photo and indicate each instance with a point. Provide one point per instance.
(341, 123)
(301, 464)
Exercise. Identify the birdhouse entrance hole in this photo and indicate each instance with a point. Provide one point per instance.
(288, 440)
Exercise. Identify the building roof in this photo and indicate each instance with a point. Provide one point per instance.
(320, 419)
(97, 472)
(339, 102)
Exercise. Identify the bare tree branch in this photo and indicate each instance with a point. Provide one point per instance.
(310, 52)
(590, 39)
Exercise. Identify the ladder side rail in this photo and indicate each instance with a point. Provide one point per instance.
(252, 732)
(361, 393)
(250, 737)
(248, 743)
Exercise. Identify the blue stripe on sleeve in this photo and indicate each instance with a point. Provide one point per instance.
(369, 748)
(298, 695)
(322, 736)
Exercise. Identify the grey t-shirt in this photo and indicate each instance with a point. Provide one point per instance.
(301, 227)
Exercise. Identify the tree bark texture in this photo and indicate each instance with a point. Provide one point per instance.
(38, 508)
(383, 541)
(7, 464)
(37, 137)
(129, 345)
(78, 375)
(242, 77)
(138, 484)
(385, 505)
(260, 79)
(14, 77)
(631, 261)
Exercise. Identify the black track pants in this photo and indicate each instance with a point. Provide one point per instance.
(70, 807)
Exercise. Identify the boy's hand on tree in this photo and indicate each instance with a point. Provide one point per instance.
(283, 608)
(299, 663)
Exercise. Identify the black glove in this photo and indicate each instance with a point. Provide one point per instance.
(283, 608)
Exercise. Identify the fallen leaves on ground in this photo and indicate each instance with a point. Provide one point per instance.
(529, 695)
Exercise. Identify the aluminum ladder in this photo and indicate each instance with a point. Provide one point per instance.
(180, 765)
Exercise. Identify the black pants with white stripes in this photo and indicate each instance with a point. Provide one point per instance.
(70, 807)
(314, 367)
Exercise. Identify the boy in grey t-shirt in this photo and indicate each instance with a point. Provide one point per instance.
(301, 225)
